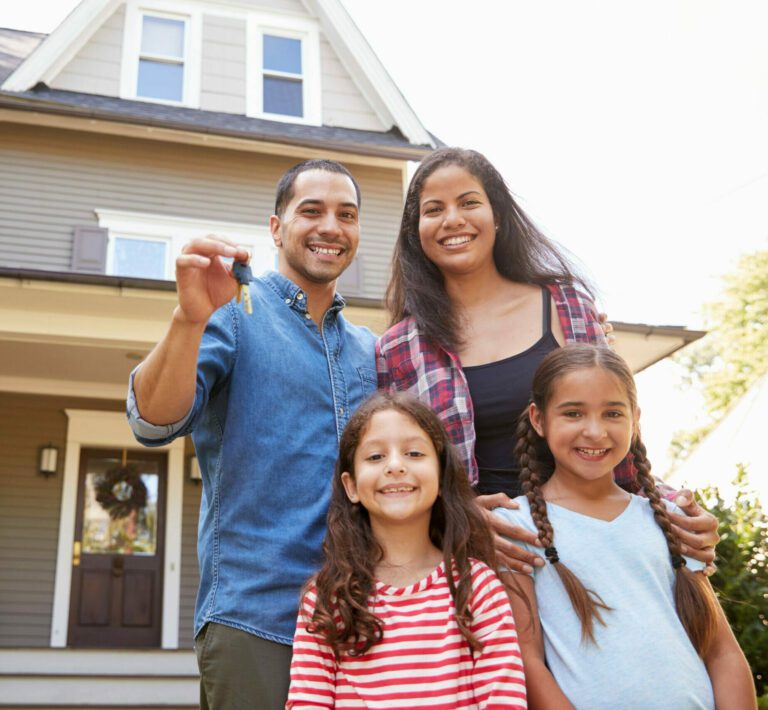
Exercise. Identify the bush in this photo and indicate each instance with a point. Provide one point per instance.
(741, 580)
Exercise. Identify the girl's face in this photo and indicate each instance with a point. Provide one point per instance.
(397, 471)
(588, 423)
(457, 229)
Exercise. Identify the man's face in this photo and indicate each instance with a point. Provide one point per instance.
(319, 230)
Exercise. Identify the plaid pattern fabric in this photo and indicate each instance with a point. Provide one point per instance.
(406, 361)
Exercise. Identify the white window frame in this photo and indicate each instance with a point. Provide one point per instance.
(177, 231)
(303, 29)
(135, 11)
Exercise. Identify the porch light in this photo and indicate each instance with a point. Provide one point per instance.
(48, 460)
(194, 470)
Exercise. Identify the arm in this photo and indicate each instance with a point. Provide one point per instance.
(313, 665)
(728, 669)
(498, 680)
(509, 555)
(164, 384)
(543, 690)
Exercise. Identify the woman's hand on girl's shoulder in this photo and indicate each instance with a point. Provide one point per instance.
(697, 530)
(509, 555)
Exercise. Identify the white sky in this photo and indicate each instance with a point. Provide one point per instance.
(635, 133)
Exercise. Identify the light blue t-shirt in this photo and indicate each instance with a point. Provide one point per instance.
(643, 657)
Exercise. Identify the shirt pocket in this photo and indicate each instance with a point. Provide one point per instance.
(368, 380)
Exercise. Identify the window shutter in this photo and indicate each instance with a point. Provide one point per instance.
(89, 250)
(350, 282)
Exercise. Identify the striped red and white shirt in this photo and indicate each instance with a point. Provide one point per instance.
(422, 661)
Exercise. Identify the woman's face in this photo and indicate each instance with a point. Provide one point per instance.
(457, 229)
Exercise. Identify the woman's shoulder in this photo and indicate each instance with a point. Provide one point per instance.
(400, 332)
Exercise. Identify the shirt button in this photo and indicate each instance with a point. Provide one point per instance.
(341, 411)
(307, 316)
(299, 295)
(287, 300)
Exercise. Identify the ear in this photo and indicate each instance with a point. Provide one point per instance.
(350, 487)
(274, 229)
(534, 414)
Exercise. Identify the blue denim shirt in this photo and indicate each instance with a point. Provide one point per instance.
(273, 395)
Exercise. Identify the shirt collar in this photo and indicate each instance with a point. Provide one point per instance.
(293, 295)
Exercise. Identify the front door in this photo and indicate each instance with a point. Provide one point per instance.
(117, 560)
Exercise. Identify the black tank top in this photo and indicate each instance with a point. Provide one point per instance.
(500, 392)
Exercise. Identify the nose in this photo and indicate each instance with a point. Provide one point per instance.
(452, 217)
(395, 465)
(329, 226)
(594, 428)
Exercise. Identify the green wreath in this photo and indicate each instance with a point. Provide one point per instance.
(120, 491)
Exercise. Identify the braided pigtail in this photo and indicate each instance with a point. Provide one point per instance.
(695, 601)
(533, 474)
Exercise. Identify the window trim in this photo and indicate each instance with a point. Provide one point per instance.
(303, 29)
(177, 231)
(135, 11)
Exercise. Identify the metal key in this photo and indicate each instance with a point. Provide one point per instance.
(243, 275)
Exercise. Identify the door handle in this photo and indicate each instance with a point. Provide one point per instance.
(76, 553)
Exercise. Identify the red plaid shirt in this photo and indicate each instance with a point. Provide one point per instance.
(406, 361)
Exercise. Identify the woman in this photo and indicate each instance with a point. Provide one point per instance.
(478, 296)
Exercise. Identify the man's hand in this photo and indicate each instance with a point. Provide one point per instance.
(204, 282)
(697, 530)
(509, 555)
(607, 327)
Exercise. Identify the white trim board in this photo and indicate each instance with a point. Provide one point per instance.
(110, 429)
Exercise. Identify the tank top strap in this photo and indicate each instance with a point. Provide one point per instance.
(546, 316)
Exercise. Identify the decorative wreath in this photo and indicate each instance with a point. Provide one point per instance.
(120, 491)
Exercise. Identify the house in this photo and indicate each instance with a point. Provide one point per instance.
(134, 126)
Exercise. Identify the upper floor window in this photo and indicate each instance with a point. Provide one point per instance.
(161, 53)
(283, 69)
(161, 59)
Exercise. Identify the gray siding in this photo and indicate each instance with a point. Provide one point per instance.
(29, 513)
(222, 84)
(343, 104)
(95, 69)
(53, 179)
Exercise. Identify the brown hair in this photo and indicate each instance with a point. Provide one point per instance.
(346, 579)
(695, 602)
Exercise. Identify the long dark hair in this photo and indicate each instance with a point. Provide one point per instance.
(346, 579)
(695, 602)
(521, 252)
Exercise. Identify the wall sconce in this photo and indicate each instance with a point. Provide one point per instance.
(194, 470)
(47, 460)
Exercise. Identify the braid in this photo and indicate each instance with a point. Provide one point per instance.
(695, 601)
(586, 603)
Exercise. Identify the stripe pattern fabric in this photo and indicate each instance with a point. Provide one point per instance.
(422, 661)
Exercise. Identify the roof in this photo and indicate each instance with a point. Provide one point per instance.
(32, 66)
(15, 46)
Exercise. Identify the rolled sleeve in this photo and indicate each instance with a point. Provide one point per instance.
(151, 434)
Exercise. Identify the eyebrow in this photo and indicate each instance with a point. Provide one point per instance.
(315, 201)
(463, 194)
(616, 403)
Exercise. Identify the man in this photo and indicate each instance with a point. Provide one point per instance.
(265, 397)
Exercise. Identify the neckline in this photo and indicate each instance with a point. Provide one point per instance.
(599, 521)
(418, 586)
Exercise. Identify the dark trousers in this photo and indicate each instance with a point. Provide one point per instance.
(240, 671)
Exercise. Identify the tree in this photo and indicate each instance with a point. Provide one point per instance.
(734, 353)
(741, 580)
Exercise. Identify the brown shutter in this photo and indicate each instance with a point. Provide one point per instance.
(89, 250)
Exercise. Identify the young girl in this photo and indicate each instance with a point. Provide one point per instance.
(406, 611)
(624, 620)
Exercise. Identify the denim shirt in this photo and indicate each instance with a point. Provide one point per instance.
(273, 395)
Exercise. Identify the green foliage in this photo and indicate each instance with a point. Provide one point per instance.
(734, 353)
(741, 580)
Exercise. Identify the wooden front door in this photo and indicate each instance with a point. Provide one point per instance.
(117, 561)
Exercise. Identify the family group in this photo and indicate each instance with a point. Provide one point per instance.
(458, 514)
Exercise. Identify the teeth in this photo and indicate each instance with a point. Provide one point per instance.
(323, 250)
(402, 489)
(593, 452)
(455, 241)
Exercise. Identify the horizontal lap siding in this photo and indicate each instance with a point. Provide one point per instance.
(52, 180)
(222, 84)
(29, 512)
(95, 69)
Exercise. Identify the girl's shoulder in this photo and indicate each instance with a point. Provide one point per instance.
(517, 516)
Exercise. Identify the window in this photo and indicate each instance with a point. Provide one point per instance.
(282, 79)
(283, 69)
(161, 59)
(145, 246)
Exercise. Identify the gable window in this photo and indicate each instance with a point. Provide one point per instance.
(282, 77)
(161, 59)
(283, 69)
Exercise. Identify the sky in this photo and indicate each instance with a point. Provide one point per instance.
(634, 133)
